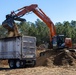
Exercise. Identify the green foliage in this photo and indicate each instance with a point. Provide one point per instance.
(59, 28)
(3, 32)
(68, 29)
(40, 30)
(24, 28)
(37, 29)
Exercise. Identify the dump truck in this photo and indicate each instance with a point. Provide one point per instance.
(20, 51)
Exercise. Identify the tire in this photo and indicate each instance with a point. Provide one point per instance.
(33, 63)
(12, 64)
(18, 64)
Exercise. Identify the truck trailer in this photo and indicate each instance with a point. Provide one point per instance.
(20, 51)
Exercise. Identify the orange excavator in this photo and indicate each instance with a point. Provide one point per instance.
(58, 41)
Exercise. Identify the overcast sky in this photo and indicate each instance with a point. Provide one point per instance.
(56, 10)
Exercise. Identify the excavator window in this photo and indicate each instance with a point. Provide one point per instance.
(60, 40)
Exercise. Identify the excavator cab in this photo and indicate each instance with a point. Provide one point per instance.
(58, 42)
(61, 41)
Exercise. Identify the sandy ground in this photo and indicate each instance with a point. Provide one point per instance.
(38, 71)
(44, 66)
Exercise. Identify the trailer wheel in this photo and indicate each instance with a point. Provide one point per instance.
(18, 63)
(33, 63)
(12, 64)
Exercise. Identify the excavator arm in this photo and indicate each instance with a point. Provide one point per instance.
(16, 15)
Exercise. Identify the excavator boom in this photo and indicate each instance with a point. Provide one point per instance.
(34, 8)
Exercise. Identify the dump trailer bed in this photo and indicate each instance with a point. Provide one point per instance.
(21, 49)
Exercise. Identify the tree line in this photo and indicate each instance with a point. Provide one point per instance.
(40, 30)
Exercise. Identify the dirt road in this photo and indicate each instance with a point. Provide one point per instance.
(44, 66)
(38, 71)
